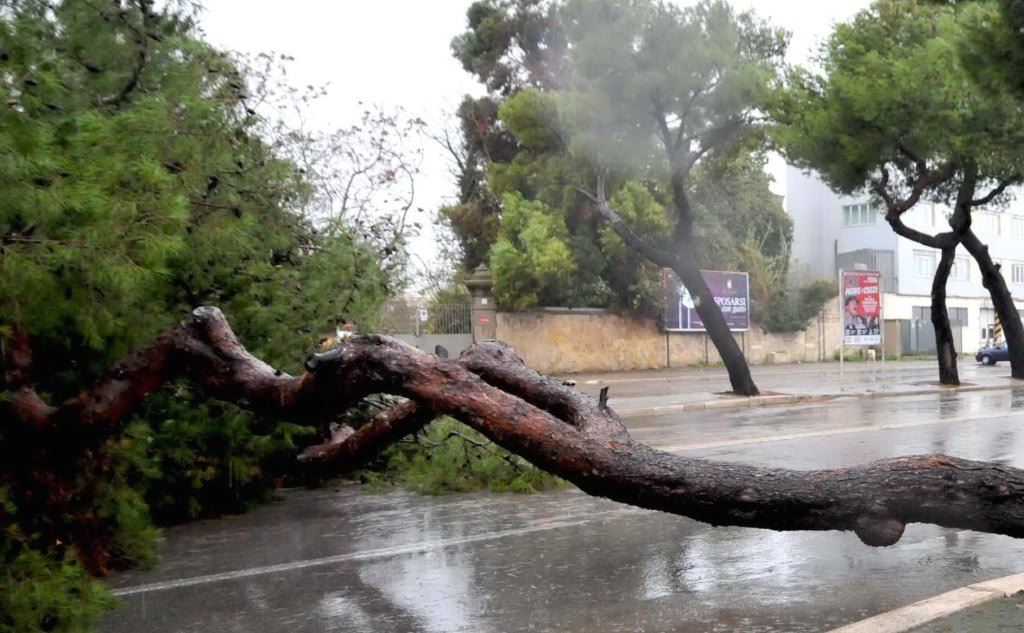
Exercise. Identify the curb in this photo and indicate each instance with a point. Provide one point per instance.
(724, 403)
(935, 608)
(767, 401)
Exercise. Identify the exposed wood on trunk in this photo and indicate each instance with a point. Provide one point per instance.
(549, 424)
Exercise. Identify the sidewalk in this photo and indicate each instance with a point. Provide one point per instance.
(660, 391)
(1004, 614)
(993, 605)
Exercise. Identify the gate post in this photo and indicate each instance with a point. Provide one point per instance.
(480, 284)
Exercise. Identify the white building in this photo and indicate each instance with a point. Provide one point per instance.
(831, 231)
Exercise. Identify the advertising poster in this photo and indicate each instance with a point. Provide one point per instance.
(730, 290)
(862, 307)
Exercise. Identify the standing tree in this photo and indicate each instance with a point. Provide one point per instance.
(895, 114)
(513, 148)
(659, 91)
(509, 46)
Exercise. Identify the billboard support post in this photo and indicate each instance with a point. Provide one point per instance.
(842, 339)
(881, 325)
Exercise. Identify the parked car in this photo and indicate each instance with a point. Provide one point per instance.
(992, 354)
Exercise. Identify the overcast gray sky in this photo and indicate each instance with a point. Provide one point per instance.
(396, 53)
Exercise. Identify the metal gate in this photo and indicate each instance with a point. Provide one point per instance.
(918, 334)
(431, 326)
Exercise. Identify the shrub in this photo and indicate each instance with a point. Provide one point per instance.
(783, 312)
(450, 457)
(191, 458)
(41, 590)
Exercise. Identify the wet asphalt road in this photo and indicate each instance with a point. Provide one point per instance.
(341, 560)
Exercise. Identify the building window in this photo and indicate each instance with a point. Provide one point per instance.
(926, 214)
(1018, 273)
(1018, 228)
(859, 214)
(924, 264)
(988, 223)
(961, 269)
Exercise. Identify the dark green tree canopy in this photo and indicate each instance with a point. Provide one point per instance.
(893, 103)
(138, 181)
(992, 46)
(513, 44)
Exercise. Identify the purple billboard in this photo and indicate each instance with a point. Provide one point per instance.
(730, 290)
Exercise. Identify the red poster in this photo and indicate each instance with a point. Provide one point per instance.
(862, 307)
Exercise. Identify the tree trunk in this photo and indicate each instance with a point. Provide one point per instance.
(715, 325)
(681, 261)
(1002, 300)
(946, 243)
(944, 343)
(490, 389)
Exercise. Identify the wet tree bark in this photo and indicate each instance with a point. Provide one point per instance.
(490, 389)
(714, 323)
(946, 243)
(945, 345)
(991, 275)
(1002, 300)
(682, 263)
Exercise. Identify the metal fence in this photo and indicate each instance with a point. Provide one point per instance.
(449, 318)
(404, 317)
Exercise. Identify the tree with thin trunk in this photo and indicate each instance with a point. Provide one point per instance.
(894, 116)
(656, 91)
(49, 451)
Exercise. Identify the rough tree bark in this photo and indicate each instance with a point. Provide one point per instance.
(714, 323)
(682, 263)
(962, 233)
(490, 389)
(946, 243)
(1002, 300)
(945, 345)
(991, 275)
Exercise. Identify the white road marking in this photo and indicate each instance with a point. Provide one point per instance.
(384, 552)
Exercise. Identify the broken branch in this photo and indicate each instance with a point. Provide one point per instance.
(559, 430)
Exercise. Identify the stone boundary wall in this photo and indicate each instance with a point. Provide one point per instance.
(555, 340)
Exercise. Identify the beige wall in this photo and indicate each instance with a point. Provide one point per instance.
(562, 341)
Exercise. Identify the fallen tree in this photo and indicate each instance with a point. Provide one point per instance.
(47, 448)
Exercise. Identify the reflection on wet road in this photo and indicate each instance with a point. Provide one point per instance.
(341, 560)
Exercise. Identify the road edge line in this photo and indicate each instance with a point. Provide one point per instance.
(937, 607)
